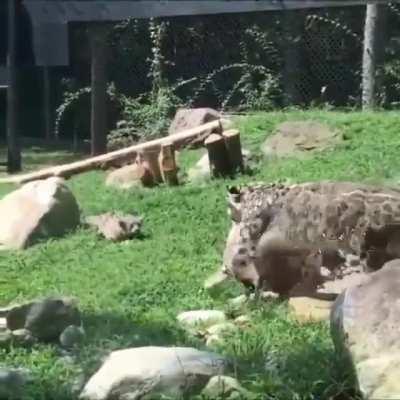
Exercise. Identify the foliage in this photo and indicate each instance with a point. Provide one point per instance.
(144, 118)
(76, 105)
(130, 293)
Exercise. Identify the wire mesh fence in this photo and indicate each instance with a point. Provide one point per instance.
(232, 62)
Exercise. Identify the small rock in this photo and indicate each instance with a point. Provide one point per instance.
(12, 383)
(200, 319)
(243, 320)
(224, 387)
(72, 336)
(116, 227)
(3, 324)
(222, 328)
(307, 309)
(201, 170)
(6, 338)
(77, 385)
(23, 337)
(149, 371)
(45, 318)
(268, 295)
(238, 301)
(214, 340)
(217, 283)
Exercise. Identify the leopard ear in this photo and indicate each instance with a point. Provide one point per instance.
(234, 206)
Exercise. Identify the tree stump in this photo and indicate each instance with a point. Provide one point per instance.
(150, 157)
(218, 156)
(234, 148)
(167, 162)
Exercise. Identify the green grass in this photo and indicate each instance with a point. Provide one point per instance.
(130, 293)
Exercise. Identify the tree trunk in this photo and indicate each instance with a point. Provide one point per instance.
(98, 36)
(370, 56)
(14, 150)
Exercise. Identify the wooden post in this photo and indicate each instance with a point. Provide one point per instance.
(218, 156)
(234, 148)
(98, 36)
(150, 156)
(168, 165)
(14, 150)
(47, 103)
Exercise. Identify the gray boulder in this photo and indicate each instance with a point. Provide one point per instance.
(365, 323)
(142, 372)
(191, 118)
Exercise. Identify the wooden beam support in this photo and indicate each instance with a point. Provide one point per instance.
(168, 167)
(150, 156)
(218, 156)
(234, 148)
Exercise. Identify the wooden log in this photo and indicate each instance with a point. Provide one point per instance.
(97, 162)
(218, 156)
(234, 148)
(167, 162)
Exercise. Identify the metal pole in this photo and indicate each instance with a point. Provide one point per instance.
(14, 151)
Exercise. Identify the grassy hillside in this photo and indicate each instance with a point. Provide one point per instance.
(130, 293)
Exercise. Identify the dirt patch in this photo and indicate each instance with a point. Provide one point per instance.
(300, 138)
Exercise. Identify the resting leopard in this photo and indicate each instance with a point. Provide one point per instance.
(282, 235)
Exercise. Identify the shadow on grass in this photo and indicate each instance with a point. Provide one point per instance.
(306, 373)
(126, 332)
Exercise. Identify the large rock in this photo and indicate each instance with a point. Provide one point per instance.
(38, 210)
(46, 319)
(191, 118)
(365, 327)
(297, 138)
(142, 372)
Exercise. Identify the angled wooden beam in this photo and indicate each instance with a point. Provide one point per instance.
(67, 170)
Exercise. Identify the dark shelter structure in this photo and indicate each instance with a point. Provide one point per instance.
(37, 34)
